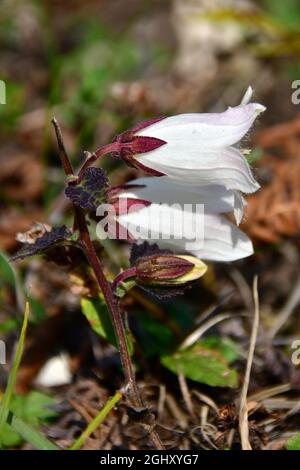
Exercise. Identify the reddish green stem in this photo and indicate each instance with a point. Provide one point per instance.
(122, 276)
(113, 147)
(112, 306)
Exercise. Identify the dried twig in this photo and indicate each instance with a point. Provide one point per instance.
(243, 411)
(198, 332)
(186, 394)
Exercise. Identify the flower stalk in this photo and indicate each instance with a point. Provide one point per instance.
(93, 157)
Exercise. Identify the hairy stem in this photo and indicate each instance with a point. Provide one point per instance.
(112, 304)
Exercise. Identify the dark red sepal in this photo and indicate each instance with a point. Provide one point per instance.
(130, 144)
(134, 162)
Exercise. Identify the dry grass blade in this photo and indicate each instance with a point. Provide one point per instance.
(198, 332)
(186, 394)
(243, 410)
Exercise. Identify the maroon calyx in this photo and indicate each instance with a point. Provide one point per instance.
(139, 166)
(131, 144)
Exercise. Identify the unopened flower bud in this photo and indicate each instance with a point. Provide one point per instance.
(168, 269)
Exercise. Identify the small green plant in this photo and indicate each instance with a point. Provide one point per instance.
(13, 429)
(126, 212)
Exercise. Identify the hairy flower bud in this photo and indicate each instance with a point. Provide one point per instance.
(168, 269)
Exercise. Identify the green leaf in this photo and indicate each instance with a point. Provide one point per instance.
(33, 409)
(29, 434)
(13, 374)
(8, 325)
(228, 349)
(293, 443)
(156, 338)
(96, 312)
(287, 12)
(203, 365)
(182, 313)
(9, 437)
(34, 403)
(38, 311)
(6, 271)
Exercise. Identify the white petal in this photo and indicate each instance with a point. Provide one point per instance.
(223, 242)
(162, 221)
(207, 130)
(219, 239)
(224, 166)
(239, 204)
(215, 198)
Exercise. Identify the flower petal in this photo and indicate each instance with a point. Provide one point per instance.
(215, 198)
(247, 96)
(239, 204)
(219, 239)
(223, 242)
(223, 166)
(207, 129)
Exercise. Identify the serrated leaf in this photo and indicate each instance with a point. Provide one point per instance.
(203, 365)
(90, 192)
(293, 443)
(43, 243)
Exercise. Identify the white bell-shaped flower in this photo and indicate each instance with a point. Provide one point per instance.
(199, 149)
(172, 221)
